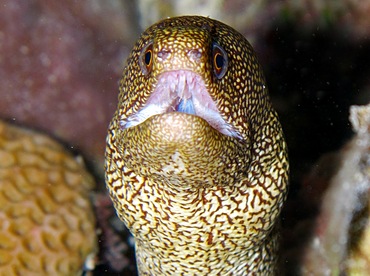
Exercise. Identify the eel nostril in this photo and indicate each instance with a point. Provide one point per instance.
(195, 54)
(163, 54)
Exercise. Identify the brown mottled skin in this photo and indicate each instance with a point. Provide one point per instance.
(200, 199)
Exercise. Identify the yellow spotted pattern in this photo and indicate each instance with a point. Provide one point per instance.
(199, 202)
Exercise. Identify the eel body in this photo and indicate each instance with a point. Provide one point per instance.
(196, 161)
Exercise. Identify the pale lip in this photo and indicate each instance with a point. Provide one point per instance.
(181, 91)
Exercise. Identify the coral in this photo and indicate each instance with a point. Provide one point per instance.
(47, 225)
(341, 239)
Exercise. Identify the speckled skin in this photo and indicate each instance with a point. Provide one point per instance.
(197, 201)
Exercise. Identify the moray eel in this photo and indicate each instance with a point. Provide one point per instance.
(196, 161)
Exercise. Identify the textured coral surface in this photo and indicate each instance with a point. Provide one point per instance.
(340, 242)
(47, 226)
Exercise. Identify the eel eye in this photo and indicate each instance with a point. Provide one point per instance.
(146, 59)
(219, 61)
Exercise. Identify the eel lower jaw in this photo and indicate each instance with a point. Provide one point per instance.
(181, 91)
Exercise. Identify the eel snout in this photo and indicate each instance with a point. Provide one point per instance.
(181, 91)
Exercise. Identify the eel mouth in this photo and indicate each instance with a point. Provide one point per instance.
(181, 91)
